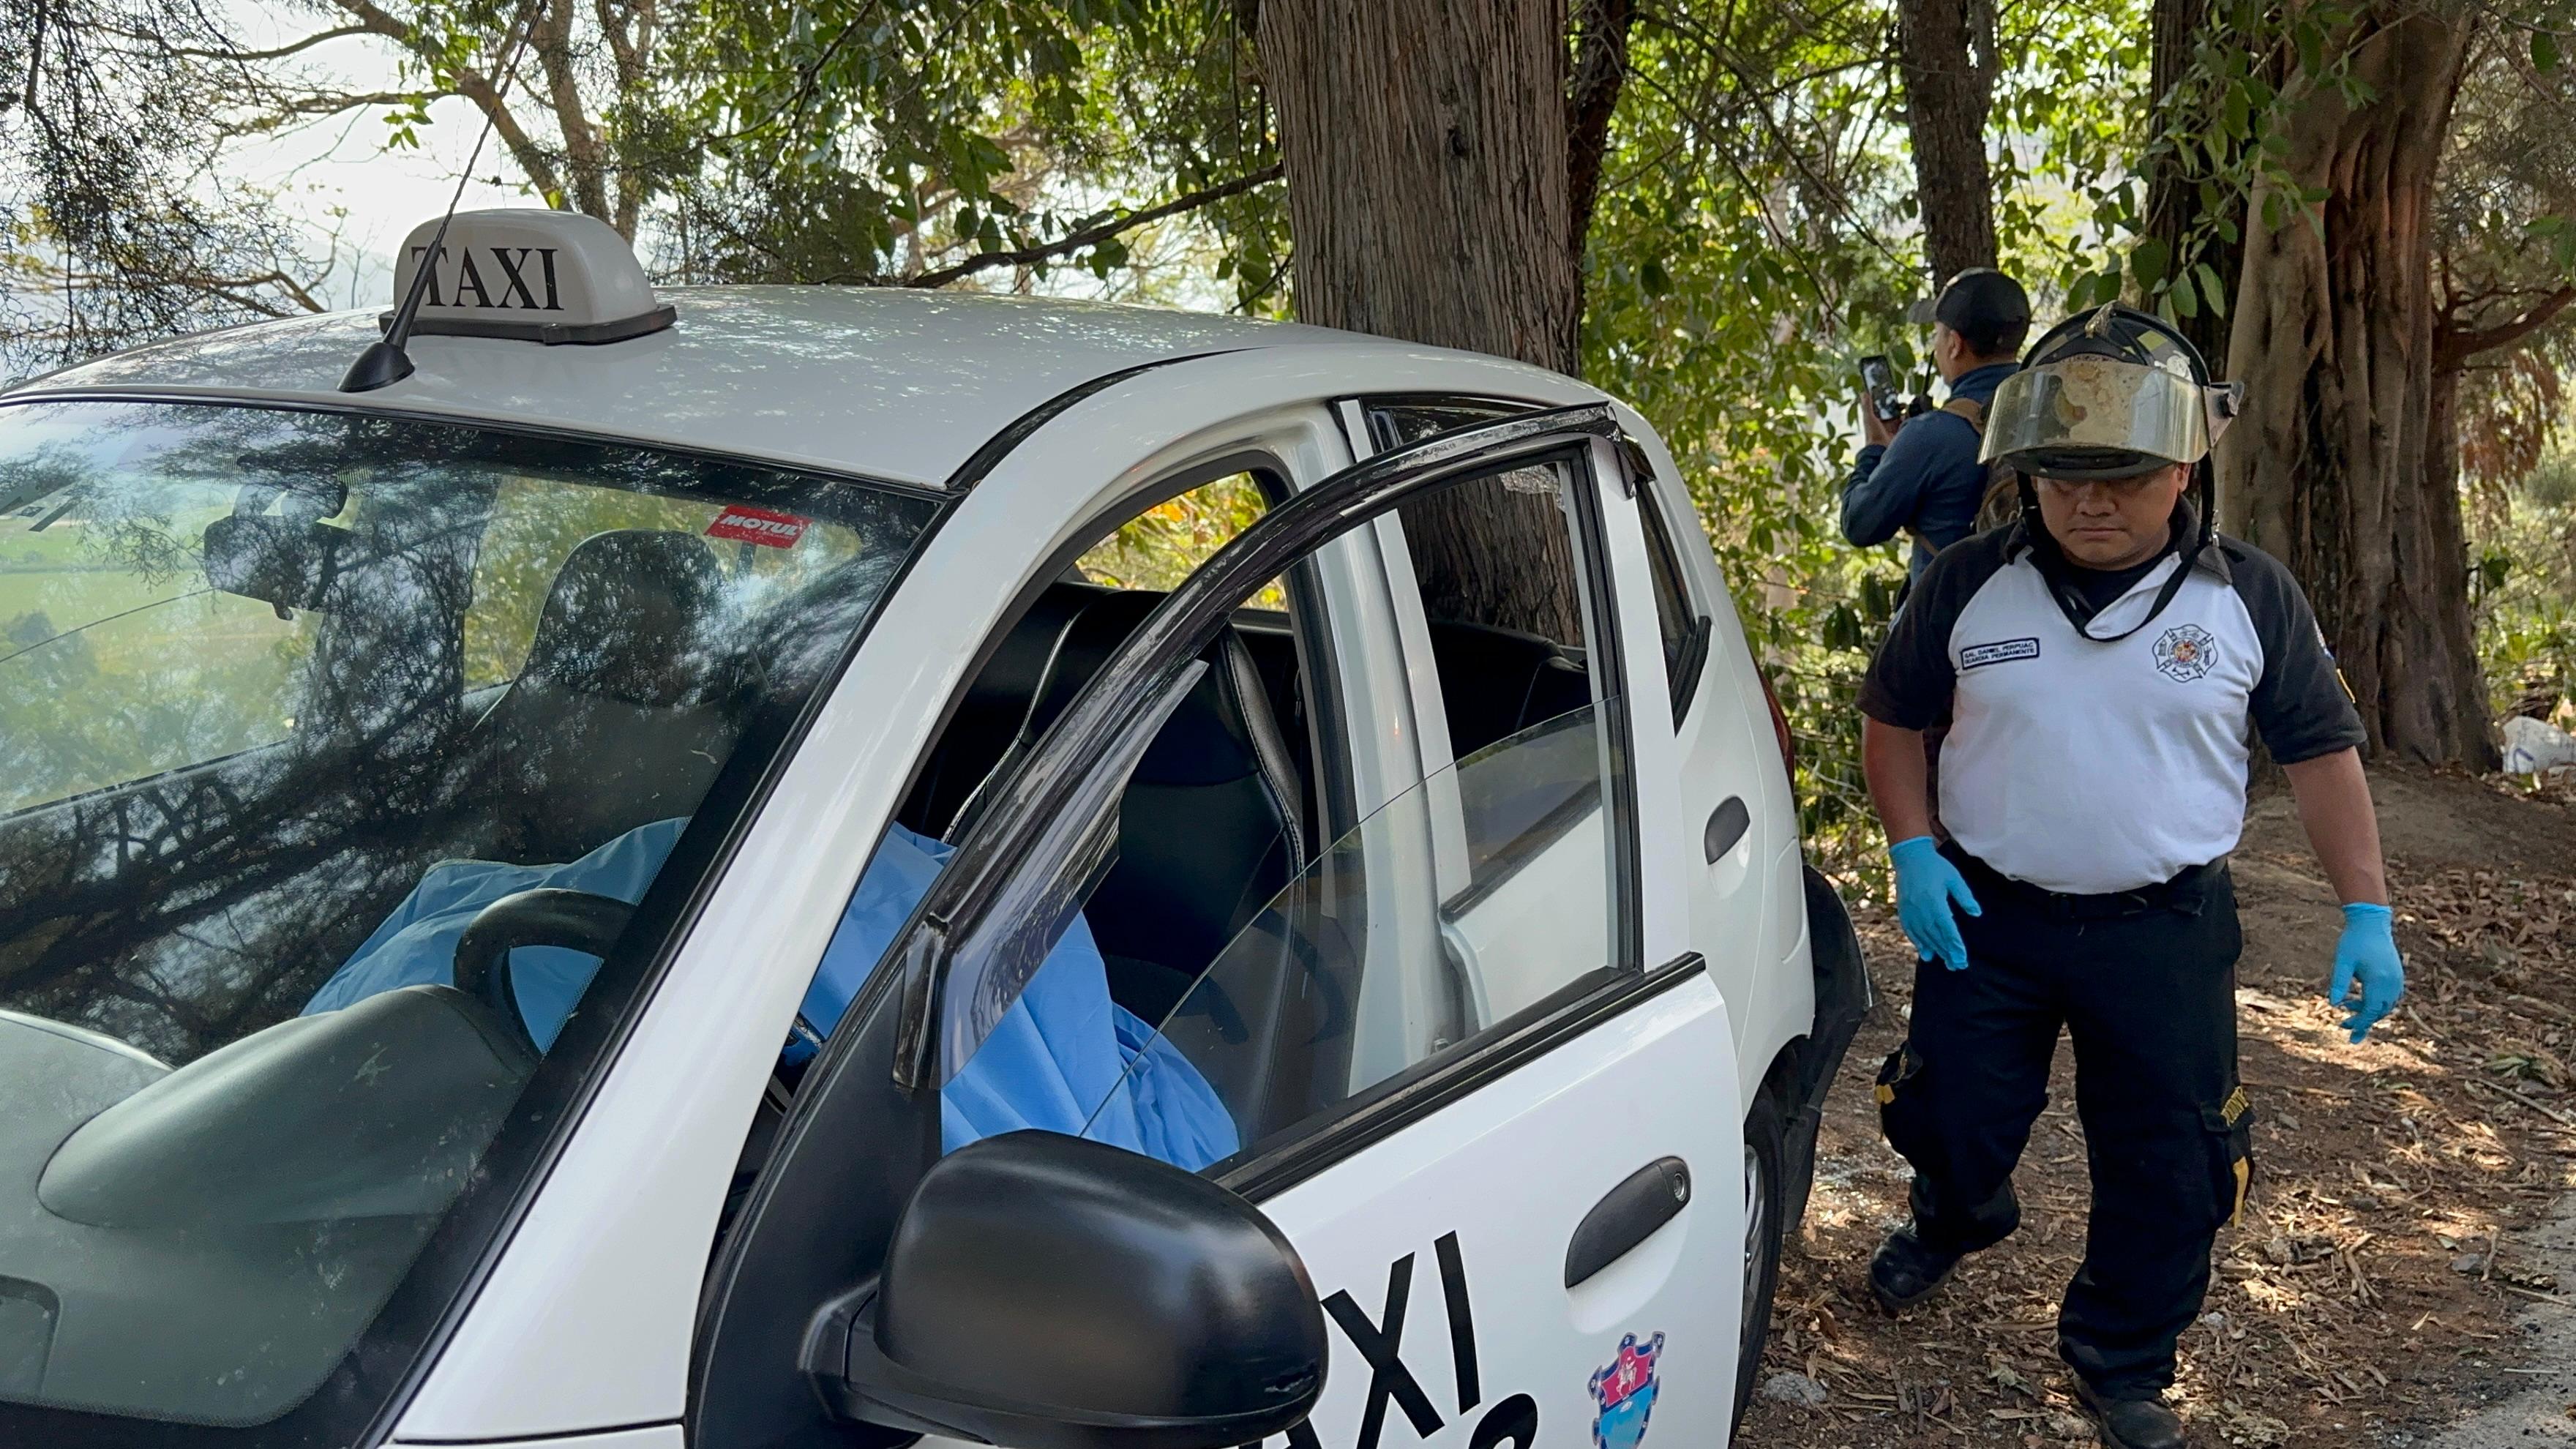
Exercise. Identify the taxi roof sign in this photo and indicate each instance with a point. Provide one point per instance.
(534, 275)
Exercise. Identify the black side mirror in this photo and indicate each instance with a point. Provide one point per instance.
(1044, 1292)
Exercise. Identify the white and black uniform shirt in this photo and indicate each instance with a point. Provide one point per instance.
(2090, 767)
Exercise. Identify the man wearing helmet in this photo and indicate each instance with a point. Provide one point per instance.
(2103, 665)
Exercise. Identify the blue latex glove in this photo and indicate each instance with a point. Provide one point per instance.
(1928, 886)
(2367, 952)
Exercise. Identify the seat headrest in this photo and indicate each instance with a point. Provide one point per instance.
(1086, 644)
(624, 619)
(1214, 733)
(1211, 736)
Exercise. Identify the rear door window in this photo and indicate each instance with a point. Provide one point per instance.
(1683, 628)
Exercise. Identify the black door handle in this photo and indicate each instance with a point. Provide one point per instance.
(1651, 1197)
(1727, 826)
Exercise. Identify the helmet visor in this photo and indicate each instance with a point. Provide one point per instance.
(2095, 417)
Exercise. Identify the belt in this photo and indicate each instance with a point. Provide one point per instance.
(2185, 892)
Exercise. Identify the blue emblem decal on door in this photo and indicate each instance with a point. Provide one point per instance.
(1625, 1390)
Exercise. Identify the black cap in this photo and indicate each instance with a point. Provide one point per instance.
(1988, 310)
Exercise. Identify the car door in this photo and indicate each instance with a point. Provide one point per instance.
(1468, 1066)
(1739, 847)
(1601, 1296)
(1514, 1178)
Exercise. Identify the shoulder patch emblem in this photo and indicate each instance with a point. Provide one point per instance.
(1996, 653)
(2185, 652)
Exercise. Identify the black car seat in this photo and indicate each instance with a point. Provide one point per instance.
(1495, 682)
(992, 715)
(619, 717)
(1209, 828)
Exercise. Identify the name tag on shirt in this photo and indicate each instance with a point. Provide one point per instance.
(1975, 655)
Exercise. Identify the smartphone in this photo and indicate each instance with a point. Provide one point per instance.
(1878, 378)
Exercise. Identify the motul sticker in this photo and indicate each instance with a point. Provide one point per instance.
(757, 525)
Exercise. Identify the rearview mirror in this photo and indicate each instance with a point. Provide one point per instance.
(288, 563)
(1045, 1292)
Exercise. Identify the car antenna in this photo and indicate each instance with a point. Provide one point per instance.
(385, 361)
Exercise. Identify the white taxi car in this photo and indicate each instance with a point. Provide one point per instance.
(802, 866)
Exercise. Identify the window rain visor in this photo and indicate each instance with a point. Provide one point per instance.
(337, 755)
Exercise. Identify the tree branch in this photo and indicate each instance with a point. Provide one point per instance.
(277, 110)
(1098, 232)
(473, 85)
(242, 292)
(161, 45)
(2454, 346)
(1600, 70)
(551, 39)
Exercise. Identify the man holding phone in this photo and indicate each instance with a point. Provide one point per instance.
(1920, 475)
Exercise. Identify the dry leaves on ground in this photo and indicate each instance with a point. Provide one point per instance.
(2370, 1294)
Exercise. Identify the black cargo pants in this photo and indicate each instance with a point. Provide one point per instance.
(2145, 984)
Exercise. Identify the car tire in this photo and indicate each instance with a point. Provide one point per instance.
(1765, 1225)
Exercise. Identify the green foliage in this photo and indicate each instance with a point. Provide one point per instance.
(862, 141)
(1167, 542)
(2503, 232)
(116, 209)
(2219, 133)
(2067, 110)
(2553, 483)
(2524, 588)
(1756, 235)
(1734, 275)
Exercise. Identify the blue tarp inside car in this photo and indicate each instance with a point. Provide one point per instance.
(1052, 1063)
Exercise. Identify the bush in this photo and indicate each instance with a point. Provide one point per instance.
(2524, 589)
(2553, 483)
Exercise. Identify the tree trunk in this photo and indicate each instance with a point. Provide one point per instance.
(2173, 191)
(1426, 151)
(2449, 710)
(2334, 466)
(1428, 200)
(1600, 73)
(1947, 58)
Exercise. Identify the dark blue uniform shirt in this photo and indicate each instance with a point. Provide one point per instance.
(1929, 479)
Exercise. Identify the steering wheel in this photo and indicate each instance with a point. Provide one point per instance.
(574, 920)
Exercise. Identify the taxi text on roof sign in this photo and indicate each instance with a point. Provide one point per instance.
(539, 276)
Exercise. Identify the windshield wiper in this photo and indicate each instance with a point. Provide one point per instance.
(11, 503)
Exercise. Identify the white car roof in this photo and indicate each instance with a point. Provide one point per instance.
(898, 384)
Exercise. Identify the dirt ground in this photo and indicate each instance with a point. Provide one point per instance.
(2371, 1294)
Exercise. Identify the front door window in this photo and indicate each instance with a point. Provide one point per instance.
(1232, 979)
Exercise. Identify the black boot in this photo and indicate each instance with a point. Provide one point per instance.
(2132, 1423)
(1903, 1272)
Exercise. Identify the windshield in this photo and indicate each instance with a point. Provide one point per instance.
(297, 710)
